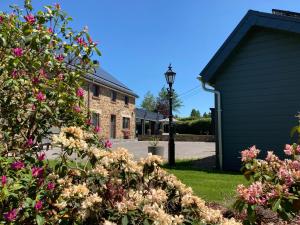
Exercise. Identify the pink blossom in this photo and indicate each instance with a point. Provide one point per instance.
(77, 108)
(253, 194)
(298, 149)
(288, 149)
(11, 215)
(29, 142)
(40, 96)
(57, 6)
(97, 129)
(60, 57)
(249, 154)
(80, 92)
(3, 180)
(30, 19)
(61, 76)
(18, 52)
(81, 41)
(271, 157)
(33, 107)
(43, 73)
(35, 80)
(108, 144)
(17, 165)
(50, 30)
(50, 186)
(42, 156)
(296, 165)
(1, 19)
(14, 73)
(37, 171)
(38, 205)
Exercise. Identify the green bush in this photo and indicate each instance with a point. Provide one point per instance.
(199, 126)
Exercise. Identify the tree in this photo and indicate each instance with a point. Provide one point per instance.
(162, 102)
(195, 113)
(207, 115)
(149, 102)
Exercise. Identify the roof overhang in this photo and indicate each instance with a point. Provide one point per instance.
(250, 20)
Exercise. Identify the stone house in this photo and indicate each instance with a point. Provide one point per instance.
(111, 104)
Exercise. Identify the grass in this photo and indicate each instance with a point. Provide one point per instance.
(212, 186)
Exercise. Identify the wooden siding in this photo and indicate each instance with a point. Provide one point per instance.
(259, 85)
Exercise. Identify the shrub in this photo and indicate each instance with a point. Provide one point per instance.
(200, 126)
(275, 183)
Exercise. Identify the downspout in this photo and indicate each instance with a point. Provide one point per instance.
(218, 94)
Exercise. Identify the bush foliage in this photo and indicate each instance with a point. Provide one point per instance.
(199, 126)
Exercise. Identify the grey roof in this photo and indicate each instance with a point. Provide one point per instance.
(251, 19)
(147, 115)
(102, 77)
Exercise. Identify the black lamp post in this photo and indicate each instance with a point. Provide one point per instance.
(170, 78)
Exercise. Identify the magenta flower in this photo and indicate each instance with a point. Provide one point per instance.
(108, 144)
(60, 57)
(18, 52)
(288, 149)
(97, 129)
(80, 41)
(40, 97)
(14, 73)
(33, 107)
(1, 19)
(42, 156)
(77, 109)
(3, 180)
(29, 142)
(11, 215)
(35, 80)
(50, 186)
(80, 92)
(43, 73)
(30, 19)
(38, 205)
(17, 165)
(37, 171)
(50, 30)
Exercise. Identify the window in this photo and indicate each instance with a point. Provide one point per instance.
(96, 90)
(126, 100)
(95, 119)
(113, 96)
(126, 123)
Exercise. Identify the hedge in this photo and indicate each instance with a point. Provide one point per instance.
(199, 126)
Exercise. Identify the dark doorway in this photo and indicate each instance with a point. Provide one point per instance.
(113, 126)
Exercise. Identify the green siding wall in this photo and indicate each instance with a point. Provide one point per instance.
(259, 85)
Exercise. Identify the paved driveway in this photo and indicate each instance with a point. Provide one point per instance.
(183, 150)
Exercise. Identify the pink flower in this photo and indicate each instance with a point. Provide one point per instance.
(57, 6)
(97, 129)
(18, 52)
(29, 142)
(37, 171)
(298, 149)
(11, 215)
(3, 180)
(1, 19)
(33, 107)
(38, 205)
(17, 165)
(41, 156)
(30, 19)
(35, 80)
(80, 92)
(108, 144)
(43, 73)
(60, 76)
(288, 149)
(40, 97)
(50, 186)
(250, 154)
(50, 30)
(81, 41)
(77, 109)
(60, 57)
(14, 73)
(271, 157)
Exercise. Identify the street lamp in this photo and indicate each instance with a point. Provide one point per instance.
(170, 78)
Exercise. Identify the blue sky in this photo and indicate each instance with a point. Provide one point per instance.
(139, 38)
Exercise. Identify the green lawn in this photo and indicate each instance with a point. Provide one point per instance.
(212, 186)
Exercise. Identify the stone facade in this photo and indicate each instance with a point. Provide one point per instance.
(111, 112)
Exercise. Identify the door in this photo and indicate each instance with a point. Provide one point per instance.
(113, 126)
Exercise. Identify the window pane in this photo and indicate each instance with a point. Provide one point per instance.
(96, 90)
(126, 100)
(95, 119)
(126, 123)
(113, 96)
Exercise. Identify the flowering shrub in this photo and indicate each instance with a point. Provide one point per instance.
(275, 183)
(42, 66)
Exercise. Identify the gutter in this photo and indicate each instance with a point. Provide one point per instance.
(218, 94)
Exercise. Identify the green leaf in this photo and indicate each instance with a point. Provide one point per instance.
(276, 205)
(40, 220)
(125, 220)
(98, 51)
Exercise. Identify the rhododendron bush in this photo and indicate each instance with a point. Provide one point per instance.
(275, 183)
(42, 64)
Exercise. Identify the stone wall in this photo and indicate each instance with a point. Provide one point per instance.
(105, 107)
(180, 137)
